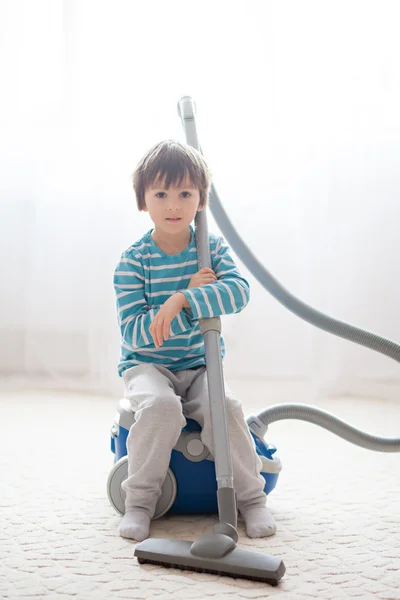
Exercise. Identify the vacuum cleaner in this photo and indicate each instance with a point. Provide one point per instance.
(190, 484)
(216, 552)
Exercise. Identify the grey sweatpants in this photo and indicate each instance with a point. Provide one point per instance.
(161, 399)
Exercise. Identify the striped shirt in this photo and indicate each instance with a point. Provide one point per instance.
(145, 277)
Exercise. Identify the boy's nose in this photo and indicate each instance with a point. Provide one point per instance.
(173, 206)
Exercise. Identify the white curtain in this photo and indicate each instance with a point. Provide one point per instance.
(298, 110)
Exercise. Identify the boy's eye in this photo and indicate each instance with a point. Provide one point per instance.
(164, 195)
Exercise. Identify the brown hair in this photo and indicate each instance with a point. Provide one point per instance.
(170, 162)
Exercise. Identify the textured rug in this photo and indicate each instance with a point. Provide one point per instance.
(337, 507)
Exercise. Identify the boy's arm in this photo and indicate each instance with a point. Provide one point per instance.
(134, 314)
(228, 295)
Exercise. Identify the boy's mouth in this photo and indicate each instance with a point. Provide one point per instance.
(173, 219)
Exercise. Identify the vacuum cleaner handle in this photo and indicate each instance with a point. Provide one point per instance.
(211, 329)
(187, 112)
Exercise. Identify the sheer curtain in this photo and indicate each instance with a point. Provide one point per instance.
(298, 116)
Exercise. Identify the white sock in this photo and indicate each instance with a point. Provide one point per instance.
(135, 525)
(259, 522)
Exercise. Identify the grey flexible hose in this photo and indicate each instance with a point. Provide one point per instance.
(320, 320)
(319, 417)
(298, 307)
(186, 109)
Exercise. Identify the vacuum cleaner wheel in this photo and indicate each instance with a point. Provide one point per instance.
(116, 494)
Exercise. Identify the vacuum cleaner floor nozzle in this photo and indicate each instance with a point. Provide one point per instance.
(238, 563)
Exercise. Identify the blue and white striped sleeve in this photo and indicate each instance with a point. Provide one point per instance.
(228, 295)
(134, 314)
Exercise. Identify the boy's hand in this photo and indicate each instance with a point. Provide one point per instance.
(202, 277)
(161, 324)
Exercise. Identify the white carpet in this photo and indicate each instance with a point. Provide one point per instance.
(337, 508)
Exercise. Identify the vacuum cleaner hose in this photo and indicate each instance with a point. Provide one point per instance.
(186, 109)
(308, 313)
(323, 419)
(299, 308)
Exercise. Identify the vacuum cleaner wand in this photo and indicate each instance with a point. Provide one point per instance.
(213, 552)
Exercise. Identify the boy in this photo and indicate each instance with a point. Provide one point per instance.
(161, 295)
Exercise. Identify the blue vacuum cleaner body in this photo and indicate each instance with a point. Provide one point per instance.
(192, 466)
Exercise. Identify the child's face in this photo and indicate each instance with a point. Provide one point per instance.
(172, 210)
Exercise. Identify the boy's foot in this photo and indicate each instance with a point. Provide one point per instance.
(135, 525)
(259, 522)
